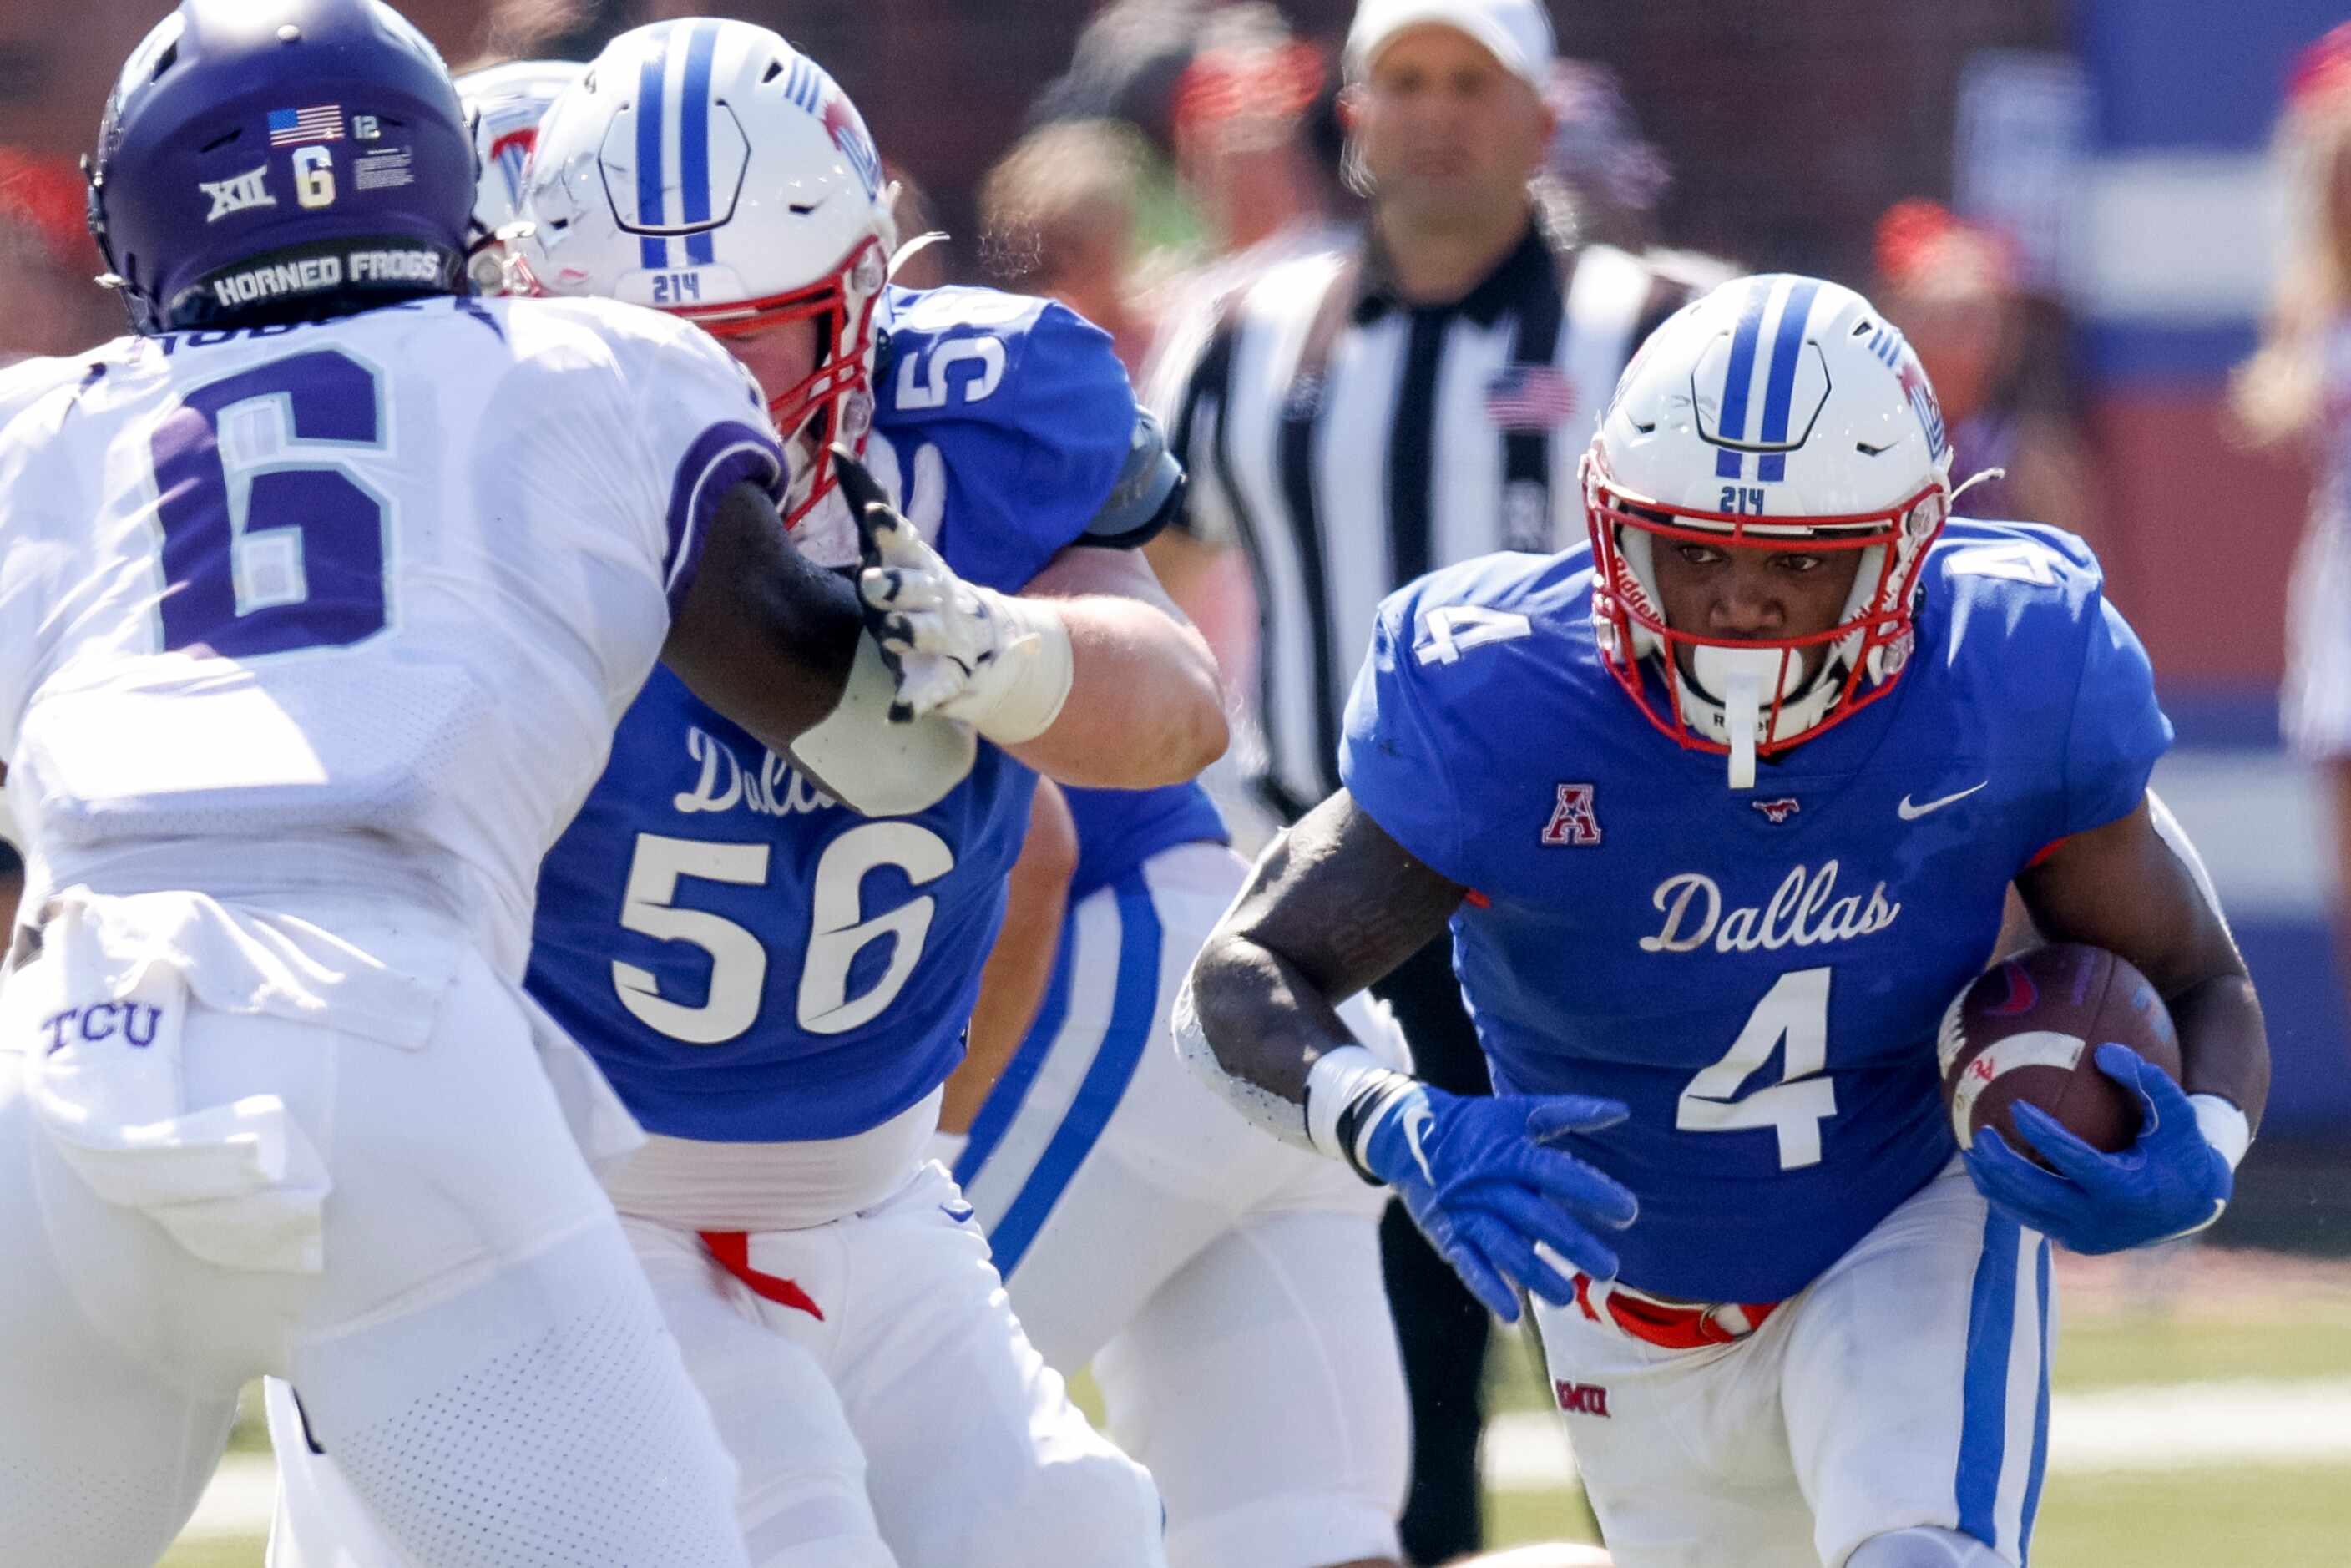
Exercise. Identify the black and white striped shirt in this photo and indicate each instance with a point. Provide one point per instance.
(1350, 442)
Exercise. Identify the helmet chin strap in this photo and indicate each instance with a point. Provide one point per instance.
(1742, 677)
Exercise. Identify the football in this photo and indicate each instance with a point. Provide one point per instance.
(2029, 1029)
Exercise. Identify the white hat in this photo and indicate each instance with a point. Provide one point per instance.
(1515, 32)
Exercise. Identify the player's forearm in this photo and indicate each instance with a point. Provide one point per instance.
(1143, 707)
(1263, 1019)
(2223, 1044)
(764, 636)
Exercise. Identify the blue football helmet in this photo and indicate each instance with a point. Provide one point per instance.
(278, 160)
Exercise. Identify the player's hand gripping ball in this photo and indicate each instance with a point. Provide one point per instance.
(2061, 1070)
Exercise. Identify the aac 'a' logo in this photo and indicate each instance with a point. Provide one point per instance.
(1573, 822)
(1779, 810)
(237, 192)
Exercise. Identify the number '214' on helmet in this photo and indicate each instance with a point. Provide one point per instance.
(280, 159)
(1778, 414)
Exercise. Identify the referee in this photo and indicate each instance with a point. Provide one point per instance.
(1357, 417)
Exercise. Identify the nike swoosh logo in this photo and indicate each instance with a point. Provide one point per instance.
(1910, 813)
(1416, 1121)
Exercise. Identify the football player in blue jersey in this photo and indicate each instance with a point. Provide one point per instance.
(776, 985)
(1721, 809)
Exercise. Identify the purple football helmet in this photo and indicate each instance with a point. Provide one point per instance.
(280, 159)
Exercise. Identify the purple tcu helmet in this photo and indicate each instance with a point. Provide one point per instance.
(277, 160)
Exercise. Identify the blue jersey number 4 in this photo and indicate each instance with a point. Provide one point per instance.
(1796, 1008)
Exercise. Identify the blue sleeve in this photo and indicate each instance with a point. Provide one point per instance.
(1084, 414)
(2116, 730)
(1034, 452)
(1391, 755)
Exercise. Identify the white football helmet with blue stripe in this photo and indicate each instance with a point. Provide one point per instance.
(1777, 413)
(504, 105)
(708, 169)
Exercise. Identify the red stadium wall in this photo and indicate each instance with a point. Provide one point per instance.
(2199, 535)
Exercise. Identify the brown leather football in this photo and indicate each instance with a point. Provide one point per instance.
(2029, 1030)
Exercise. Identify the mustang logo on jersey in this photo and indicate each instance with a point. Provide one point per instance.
(1803, 912)
(1781, 810)
(776, 789)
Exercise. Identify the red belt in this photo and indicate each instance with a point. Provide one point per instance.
(1672, 1325)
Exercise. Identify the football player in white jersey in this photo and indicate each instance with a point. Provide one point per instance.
(320, 596)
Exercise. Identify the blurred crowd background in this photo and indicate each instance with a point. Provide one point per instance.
(2079, 209)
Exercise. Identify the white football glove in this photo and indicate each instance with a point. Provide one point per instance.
(1000, 664)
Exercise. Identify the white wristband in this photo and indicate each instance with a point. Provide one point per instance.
(1032, 676)
(2223, 1125)
(1333, 1083)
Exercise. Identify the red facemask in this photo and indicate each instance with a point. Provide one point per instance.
(834, 403)
(1867, 650)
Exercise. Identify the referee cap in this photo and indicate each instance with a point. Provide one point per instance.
(1515, 32)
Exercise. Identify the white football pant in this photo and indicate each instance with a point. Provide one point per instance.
(464, 1320)
(1225, 1285)
(1905, 1387)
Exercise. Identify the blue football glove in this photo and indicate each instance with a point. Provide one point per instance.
(1474, 1176)
(2169, 1182)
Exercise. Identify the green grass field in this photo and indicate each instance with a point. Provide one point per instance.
(2200, 1317)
